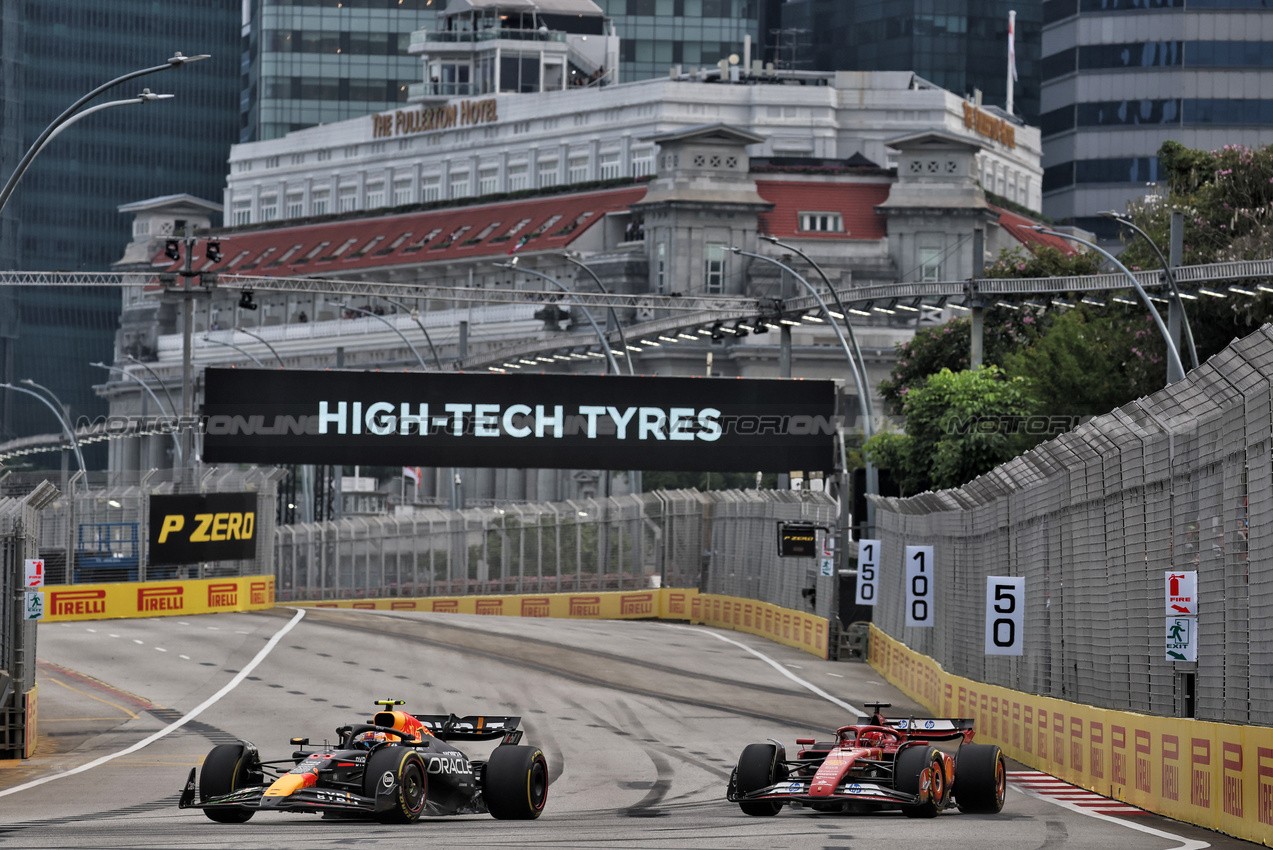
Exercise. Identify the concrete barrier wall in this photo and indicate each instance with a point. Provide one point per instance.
(157, 598)
(1215, 775)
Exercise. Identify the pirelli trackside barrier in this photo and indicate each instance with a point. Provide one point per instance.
(1216, 775)
(158, 598)
(782, 625)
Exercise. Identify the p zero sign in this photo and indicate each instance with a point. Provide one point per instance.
(518, 421)
(212, 527)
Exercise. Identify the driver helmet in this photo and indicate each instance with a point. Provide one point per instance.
(871, 738)
(368, 740)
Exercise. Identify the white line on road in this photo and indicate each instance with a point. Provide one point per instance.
(176, 724)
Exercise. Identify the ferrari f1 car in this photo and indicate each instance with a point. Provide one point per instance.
(886, 763)
(394, 769)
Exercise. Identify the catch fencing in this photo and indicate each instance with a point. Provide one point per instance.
(1094, 520)
(97, 532)
(720, 542)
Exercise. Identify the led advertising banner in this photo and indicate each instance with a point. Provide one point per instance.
(517, 421)
(194, 528)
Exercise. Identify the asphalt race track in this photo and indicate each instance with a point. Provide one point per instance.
(641, 723)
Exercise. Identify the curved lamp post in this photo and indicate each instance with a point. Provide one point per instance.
(605, 343)
(1171, 280)
(249, 355)
(1173, 356)
(868, 428)
(415, 317)
(145, 386)
(614, 317)
(172, 404)
(263, 341)
(388, 324)
(61, 418)
(72, 113)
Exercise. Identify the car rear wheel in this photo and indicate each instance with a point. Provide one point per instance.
(981, 779)
(758, 768)
(227, 768)
(401, 769)
(908, 774)
(515, 783)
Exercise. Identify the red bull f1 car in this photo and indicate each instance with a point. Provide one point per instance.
(394, 769)
(885, 763)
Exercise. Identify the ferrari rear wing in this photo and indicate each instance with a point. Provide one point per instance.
(933, 729)
(448, 727)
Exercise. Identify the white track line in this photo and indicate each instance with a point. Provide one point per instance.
(777, 666)
(176, 724)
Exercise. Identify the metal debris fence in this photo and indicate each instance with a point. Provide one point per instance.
(1181, 480)
(719, 542)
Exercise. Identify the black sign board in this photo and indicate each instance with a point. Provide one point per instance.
(517, 421)
(212, 527)
(798, 539)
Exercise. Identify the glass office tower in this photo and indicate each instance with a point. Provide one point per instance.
(309, 62)
(64, 214)
(960, 45)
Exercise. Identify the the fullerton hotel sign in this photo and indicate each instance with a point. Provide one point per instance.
(407, 121)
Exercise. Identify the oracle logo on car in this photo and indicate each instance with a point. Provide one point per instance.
(155, 599)
(70, 603)
(585, 606)
(535, 606)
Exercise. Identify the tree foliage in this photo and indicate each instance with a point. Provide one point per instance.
(1043, 261)
(958, 425)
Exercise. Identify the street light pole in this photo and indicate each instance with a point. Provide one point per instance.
(605, 343)
(249, 355)
(261, 340)
(67, 116)
(61, 418)
(1176, 302)
(176, 441)
(1173, 355)
(172, 405)
(614, 317)
(391, 327)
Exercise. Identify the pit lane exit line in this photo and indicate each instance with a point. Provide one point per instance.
(178, 723)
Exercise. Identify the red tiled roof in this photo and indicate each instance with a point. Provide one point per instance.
(855, 202)
(393, 240)
(1018, 226)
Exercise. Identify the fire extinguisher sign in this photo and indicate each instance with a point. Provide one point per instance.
(1182, 593)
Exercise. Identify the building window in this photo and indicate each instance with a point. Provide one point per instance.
(318, 203)
(401, 192)
(548, 173)
(929, 265)
(609, 166)
(375, 195)
(324, 156)
(643, 162)
(821, 222)
(242, 212)
(347, 199)
(271, 162)
(578, 170)
(518, 177)
(488, 181)
(660, 269)
(460, 186)
(269, 207)
(714, 268)
(430, 189)
(295, 205)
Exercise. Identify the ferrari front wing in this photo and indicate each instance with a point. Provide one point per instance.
(796, 790)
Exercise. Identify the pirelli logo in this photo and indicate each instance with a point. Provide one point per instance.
(1118, 754)
(1231, 760)
(535, 606)
(1096, 738)
(223, 595)
(402, 605)
(676, 603)
(1200, 772)
(585, 606)
(1144, 746)
(261, 592)
(446, 606)
(160, 599)
(364, 606)
(489, 606)
(636, 605)
(77, 603)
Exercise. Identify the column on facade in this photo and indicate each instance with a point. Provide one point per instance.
(307, 195)
(625, 155)
(417, 178)
(501, 178)
(594, 159)
(360, 192)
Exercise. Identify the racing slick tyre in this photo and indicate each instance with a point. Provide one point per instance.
(515, 783)
(404, 768)
(227, 768)
(907, 769)
(758, 767)
(981, 779)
